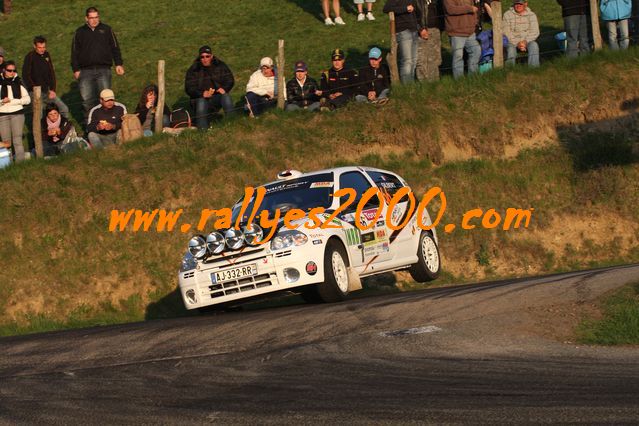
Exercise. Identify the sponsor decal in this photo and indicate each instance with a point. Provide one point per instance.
(322, 185)
(352, 237)
(311, 268)
(316, 242)
(368, 238)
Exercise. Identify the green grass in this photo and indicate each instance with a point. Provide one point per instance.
(620, 322)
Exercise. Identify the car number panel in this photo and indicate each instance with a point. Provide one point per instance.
(234, 273)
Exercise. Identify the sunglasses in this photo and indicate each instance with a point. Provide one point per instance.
(10, 70)
(205, 56)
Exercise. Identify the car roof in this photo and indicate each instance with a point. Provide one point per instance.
(336, 170)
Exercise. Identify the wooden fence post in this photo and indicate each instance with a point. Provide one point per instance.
(281, 83)
(159, 111)
(391, 57)
(594, 20)
(37, 117)
(6, 7)
(498, 41)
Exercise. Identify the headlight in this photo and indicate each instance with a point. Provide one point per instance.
(188, 262)
(234, 238)
(253, 235)
(215, 242)
(197, 247)
(286, 239)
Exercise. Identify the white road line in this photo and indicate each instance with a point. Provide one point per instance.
(415, 330)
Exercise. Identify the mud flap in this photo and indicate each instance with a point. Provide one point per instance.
(354, 281)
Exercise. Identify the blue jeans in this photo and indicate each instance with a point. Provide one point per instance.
(62, 107)
(259, 104)
(469, 43)
(532, 50)
(315, 106)
(576, 27)
(91, 82)
(623, 40)
(383, 94)
(407, 52)
(204, 106)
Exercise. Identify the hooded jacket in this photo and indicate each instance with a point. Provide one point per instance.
(615, 10)
(520, 27)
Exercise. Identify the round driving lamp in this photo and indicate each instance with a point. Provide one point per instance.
(253, 234)
(197, 247)
(215, 242)
(234, 238)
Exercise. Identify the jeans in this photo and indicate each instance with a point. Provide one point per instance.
(407, 52)
(532, 50)
(62, 107)
(383, 94)
(204, 106)
(259, 104)
(469, 43)
(311, 107)
(11, 131)
(99, 140)
(576, 27)
(91, 82)
(623, 41)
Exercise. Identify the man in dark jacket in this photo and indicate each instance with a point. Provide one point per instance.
(338, 85)
(576, 14)
(208, 83)
(105, 120)
(37, 70)
(302, 91)
(93, 51)
(408, 27)
(429, 45)
(374, 79)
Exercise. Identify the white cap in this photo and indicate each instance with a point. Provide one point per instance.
(266, 62)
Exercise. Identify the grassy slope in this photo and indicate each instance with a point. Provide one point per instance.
(80, 274)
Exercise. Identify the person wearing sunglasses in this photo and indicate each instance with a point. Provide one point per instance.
(13, 97)
(208, 83)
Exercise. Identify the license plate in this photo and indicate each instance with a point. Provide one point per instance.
(234, 273)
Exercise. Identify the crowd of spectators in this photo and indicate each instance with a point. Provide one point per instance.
(209, 81)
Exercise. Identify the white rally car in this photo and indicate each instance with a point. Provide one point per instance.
(229, 265)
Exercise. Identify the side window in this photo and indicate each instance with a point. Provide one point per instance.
(360, 184)
(387, 183)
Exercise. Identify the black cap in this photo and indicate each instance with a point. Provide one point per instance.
(338, 54)
(205, 49)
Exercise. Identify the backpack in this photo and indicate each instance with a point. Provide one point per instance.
(131, 127)
(180, 118)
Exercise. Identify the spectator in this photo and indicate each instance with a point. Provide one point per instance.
(146, 110)
(338, 85)
(2, 53)
(462, 18)
(13, 97)
(522, 29)
(55, 128)
(407, 27)
(576, 14)
(261, 90)
(360, 10)
(105, 120)
(616, 13)
(374, 80)
(208, 83)
(37, 70)
(429, 44)
(302, 91)
(327, 15)
(94, 49)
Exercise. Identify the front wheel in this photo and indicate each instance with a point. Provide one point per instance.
(428, 262)
(335, 285)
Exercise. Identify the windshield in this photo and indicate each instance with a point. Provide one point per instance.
(303, 193)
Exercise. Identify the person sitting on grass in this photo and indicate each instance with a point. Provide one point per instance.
(105, 120)
(55, 128)
(522, 29)
(146, 110)
(303, 91)
(374, 80)
(261, 90)
(338, 84)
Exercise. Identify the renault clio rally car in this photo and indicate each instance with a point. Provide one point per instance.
(324, 265)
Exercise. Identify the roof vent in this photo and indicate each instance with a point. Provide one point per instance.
(289, 174)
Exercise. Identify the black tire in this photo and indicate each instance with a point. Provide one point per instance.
(310, 295)
(329, 291)
(429, 262)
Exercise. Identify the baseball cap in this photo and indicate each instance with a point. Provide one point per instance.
(266, 62)
(519, 1)
(338, 54)
(375, 53)
(205, 49)
(300, 66)
(107, 94)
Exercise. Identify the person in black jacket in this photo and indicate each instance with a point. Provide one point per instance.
(94, 49)
(146, 110)
(37, 70)
(208, 83)
(374, 80)
(407, 27)
(55, 128)
(105, 120)
(302, 91)
(576, 14)
(338, 85)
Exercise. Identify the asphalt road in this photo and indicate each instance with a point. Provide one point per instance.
(480, 353)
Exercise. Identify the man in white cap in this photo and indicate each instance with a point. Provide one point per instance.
(261, 90)
(105, 120)
(521, 27)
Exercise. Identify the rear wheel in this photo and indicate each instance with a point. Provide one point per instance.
(335, 285)
(428, 261)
